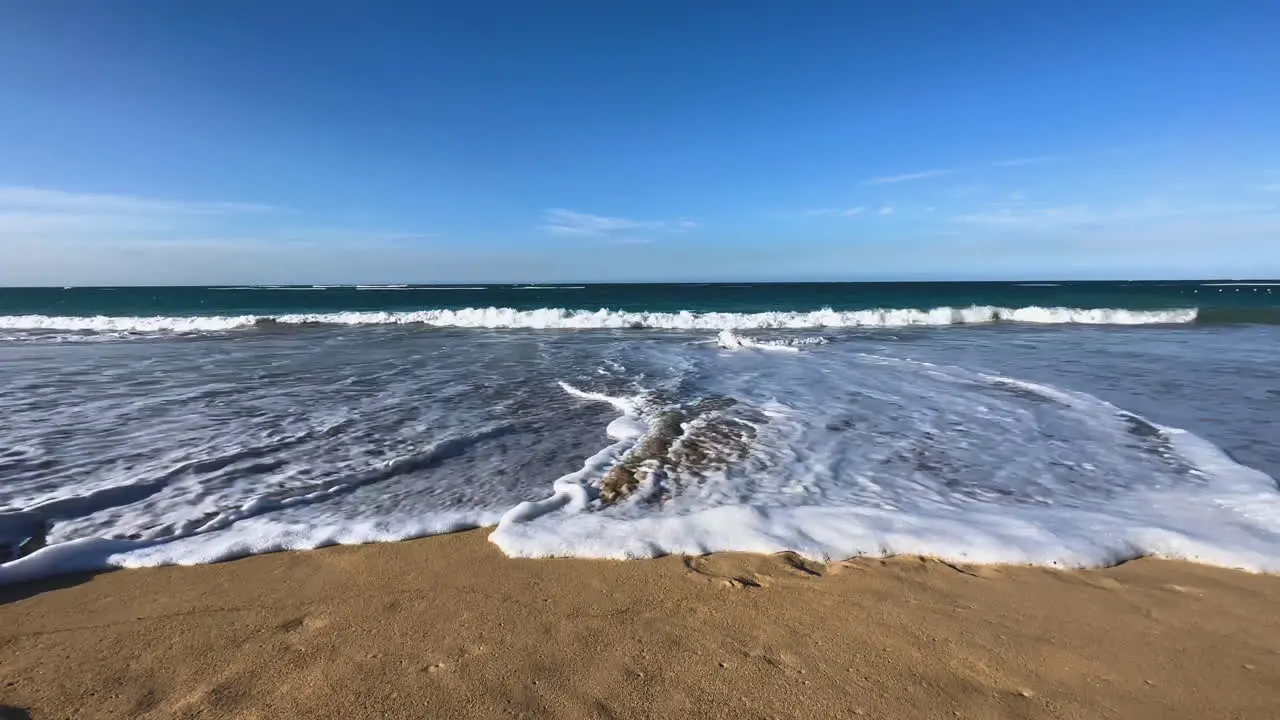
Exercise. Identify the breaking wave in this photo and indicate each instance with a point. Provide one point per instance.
(561, 318)
(729, 340)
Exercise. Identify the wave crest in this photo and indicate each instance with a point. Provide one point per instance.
(561, 318)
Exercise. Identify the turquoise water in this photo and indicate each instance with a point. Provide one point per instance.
(1217, 301)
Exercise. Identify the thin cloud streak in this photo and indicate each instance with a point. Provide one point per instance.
(835, 212)
(908, 177)
(107, 220)
(14, 223)
(34, 210)
(61, 201)
(1017, 162)
(559, 221)
(1032, 217)
(1085, 216)
(960, 191)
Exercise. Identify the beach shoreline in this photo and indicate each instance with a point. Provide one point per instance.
(448, 626)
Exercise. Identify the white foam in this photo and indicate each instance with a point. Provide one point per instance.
(173, 521)
(1038, 536)
(624, 404)
(848, 454)
(1104, 510)
(729, 340)
(559, 318)
(251, 536)
(626, 427)
(111, 324)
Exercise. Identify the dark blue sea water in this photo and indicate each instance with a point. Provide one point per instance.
(1059, 424)
(1217, 301)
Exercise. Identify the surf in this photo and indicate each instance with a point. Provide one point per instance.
(571, 319)
(620, 445)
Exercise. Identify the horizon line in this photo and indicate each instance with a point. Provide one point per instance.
(426, 285)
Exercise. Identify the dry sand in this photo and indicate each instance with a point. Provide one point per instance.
(448, 627)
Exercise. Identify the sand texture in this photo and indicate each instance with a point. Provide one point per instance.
(448, 627)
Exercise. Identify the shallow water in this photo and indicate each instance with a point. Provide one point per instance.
(1003, 443)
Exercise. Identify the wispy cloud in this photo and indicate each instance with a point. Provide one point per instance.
(907, 177)
(1023, 216)
(1008, 217)
(569, 222)
(353, 236)
(886, 210)
(28, 211)
(559, 221)
(1018, 161)
(44, 200)
(835, 212)
(33, 215)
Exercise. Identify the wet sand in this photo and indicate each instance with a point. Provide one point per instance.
(448, 627)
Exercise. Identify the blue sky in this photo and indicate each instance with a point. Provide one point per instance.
(150, 141)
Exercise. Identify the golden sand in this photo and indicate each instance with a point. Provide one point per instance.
(448, 627)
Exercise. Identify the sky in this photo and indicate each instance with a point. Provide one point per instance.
(315, 141)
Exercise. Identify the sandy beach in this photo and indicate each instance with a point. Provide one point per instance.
(448, 627)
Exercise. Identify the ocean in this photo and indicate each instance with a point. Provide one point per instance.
(1061, 424)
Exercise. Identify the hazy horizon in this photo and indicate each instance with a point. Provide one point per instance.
(534, 283)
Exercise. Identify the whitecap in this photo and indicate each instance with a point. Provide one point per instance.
(561, 318)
